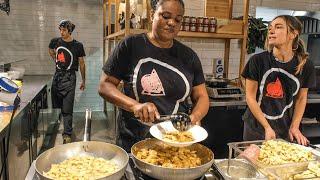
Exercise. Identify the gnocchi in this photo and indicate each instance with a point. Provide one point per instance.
(177, 136)
(275, 152)
(84, 168)
(167, 156)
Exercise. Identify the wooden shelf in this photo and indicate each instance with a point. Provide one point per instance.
(209, 35)
(122, 33)
(182, 34)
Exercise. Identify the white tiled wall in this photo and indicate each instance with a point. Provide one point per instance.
(26, 33)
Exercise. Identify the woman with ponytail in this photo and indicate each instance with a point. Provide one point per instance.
(277, 83)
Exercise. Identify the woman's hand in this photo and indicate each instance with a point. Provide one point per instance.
(146, 112)
(295, 133)
(194, 120)
(269, 133)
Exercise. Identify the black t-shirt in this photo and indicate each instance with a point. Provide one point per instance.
(67, 53)
(278, 86)
(164, 76)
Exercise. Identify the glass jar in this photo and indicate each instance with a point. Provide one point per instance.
(205, 28)
(212, 28)
(200, 20)
(186, 19)
(186, 27)
(205, 20)
(213, 20)
(199, 28)
(193, 27)
(193, 20)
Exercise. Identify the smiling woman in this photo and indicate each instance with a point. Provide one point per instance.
(159, 74)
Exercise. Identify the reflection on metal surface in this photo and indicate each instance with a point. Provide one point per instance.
(5, 6)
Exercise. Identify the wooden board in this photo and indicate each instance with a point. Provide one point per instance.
(230, 27)
(218, 8)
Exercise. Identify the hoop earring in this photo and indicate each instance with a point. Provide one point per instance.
(294, 49)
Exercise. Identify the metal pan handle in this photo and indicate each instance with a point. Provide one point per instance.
(87, 127)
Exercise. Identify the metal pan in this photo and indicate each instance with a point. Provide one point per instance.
(104, 150)
(159, 172)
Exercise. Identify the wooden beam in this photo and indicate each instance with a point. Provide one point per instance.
(230, 8)
(109, 18)
(245, 36)
(226, 58)
(148, 25)
(117, 28)
(127, 18)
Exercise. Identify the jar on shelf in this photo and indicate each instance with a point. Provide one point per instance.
(186, 19)
(200, 20)
(205, 28)
(199, 27)
(212, 28)
(193, 27)
(193, 20)
(213, 20)
(205, 20)
(186, 27)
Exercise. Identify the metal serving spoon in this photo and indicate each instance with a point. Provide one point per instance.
(180, 121)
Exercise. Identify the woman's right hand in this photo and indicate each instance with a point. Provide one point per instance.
(269, 134)
(146, 112)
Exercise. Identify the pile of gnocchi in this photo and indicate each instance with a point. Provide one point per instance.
(177, 136)
(171, 157)
(85, 167)
(275, 152)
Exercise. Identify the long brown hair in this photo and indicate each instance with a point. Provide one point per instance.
(298, 46)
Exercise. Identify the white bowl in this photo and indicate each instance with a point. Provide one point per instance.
(198, 133)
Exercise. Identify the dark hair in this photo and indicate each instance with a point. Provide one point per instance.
(67, 24)
(156, 3)
(298, 47)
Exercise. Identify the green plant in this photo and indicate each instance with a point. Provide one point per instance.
(257, 34)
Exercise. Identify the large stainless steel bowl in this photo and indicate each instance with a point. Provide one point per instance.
(159, 172)
(94, 148)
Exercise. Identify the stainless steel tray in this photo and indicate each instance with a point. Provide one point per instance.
(282, 171)
(239, 169)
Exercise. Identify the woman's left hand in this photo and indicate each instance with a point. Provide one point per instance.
(295, 133)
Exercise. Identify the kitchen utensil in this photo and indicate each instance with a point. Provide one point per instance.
(180, 121)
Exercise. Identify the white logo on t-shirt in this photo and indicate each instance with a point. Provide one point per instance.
(275, 90)
(152, 85)
(155, 86)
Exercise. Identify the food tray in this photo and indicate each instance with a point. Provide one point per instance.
(288, 171)
(276, 171)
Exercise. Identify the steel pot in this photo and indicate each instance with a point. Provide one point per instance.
(159, 172)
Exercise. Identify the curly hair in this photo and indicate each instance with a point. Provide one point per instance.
(156, 3)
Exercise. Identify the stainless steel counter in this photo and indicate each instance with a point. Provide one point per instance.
(22, 139)
(32, 85)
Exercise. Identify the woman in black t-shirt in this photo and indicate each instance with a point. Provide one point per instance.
(159, 74)
(277, 83)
